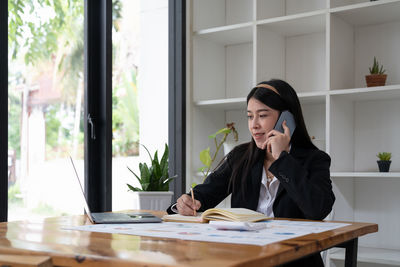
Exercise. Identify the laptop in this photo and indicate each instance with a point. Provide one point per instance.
(108, 217)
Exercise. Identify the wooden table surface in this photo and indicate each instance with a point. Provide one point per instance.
(73, 248)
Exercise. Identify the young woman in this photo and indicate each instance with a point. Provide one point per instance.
(275, 173)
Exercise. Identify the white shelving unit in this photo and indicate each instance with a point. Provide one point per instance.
(370, 255)
(323, 48)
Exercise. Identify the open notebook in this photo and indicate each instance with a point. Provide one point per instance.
(219, 214)
(108, 217)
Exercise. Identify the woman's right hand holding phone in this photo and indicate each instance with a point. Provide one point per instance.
(277, 142)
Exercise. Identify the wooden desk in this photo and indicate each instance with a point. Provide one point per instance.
(72, 248)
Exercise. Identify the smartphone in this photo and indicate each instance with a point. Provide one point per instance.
(288, 117)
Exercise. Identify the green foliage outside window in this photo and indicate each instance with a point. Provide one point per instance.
(56, 40)
(125, 116)
(14, 127)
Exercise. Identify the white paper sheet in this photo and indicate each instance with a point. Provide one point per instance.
(277, 230)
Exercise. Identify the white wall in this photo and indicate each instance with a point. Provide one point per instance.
(153, 75)
(152, 81)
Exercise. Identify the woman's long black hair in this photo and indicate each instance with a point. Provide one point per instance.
(286, 99)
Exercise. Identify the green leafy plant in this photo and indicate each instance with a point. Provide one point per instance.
(384, 156)
(154, 177)
(376, 68)
(205, 156)
(14, 194)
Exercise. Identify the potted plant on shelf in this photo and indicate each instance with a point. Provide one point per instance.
(377, 75)
(384, 161)
(154, 181)
(205, 156)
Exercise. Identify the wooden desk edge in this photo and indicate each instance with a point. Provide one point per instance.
(273, 254)
(307, 245)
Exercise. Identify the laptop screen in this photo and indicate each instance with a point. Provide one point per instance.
(86, 206)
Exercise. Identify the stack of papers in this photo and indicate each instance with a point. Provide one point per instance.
(274, 231)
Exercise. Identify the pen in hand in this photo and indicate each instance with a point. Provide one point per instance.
(194, 209)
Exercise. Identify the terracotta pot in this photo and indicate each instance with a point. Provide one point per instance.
(375, 80)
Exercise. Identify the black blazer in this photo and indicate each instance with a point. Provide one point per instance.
(305, 189)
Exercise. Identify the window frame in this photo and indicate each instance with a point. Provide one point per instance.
(177, 94)
(98, 104)
(3, 111)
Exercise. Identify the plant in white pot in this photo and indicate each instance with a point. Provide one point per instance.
(154, 181)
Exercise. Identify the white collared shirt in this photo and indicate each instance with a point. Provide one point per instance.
(267, 195)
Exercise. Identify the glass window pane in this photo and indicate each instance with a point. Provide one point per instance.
(140, 90)
(45, 95)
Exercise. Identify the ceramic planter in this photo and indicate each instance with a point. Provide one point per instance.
(152, 200)
(384, 165)
(375, 80)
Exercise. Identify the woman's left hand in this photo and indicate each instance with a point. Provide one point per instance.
(277, 141)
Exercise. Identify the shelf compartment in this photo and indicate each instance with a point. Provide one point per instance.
(354, 46)
(293, 25)
(370, 255)
(317, 97)
(204, 123)
(267, 9)
(293, 49)
(369, 199)
(376, 12)
(314, 117)
(222, 69)
(360, 128)
(216, 13)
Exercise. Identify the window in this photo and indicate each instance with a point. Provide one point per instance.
(40, 68)
(140, 90)
(45, 101)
